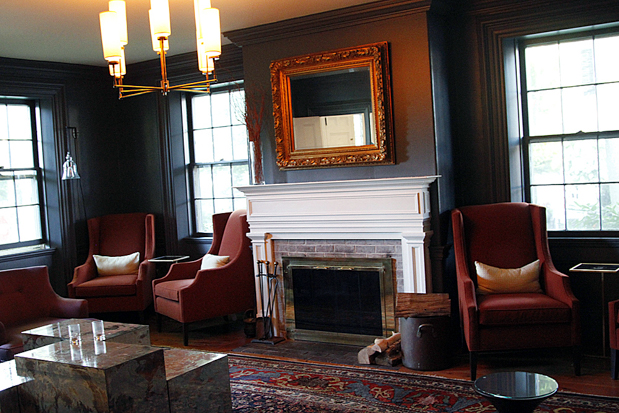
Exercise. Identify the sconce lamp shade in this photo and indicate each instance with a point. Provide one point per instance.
(69, 169)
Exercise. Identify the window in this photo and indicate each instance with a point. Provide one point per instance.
(217, 150)
(21, 214)
(571, 129)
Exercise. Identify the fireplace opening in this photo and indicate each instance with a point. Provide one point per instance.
(339, 300)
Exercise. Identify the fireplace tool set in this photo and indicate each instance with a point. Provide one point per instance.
(268, 289)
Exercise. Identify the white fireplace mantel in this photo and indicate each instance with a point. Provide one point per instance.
(389, 208)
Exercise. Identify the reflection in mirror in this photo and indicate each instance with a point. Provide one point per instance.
(333, 108)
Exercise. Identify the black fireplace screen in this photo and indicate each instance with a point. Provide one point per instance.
(337, 300)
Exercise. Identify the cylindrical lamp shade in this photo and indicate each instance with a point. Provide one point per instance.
(157, 44)
(199, 5)
(205, 64)
(159, 14)
(211, 33)
(110, 37)
(119, 70)
(120, 8)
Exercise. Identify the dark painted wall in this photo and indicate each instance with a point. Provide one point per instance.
(420, 90)
(75, 96)
(411, 85)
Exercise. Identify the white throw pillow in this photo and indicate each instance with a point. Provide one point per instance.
(210, 261)
(121, 265)
(493, 280)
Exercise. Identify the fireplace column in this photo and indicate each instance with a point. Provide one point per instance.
(416, 262)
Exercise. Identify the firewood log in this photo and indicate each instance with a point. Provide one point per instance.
(381, 344)
(366, 355)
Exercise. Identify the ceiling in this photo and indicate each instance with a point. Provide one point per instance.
(68, 30)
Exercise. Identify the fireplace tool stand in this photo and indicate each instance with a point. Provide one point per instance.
(268, 289)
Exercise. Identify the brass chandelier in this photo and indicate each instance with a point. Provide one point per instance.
(114, 39)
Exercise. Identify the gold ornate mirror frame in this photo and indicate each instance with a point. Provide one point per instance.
(376, 148)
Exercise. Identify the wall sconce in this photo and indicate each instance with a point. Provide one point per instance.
(69, 167)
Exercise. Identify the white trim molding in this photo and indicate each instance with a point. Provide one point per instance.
(388, 208)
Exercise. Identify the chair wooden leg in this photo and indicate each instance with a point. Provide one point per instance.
(159, 322)
(185, 334)
(577, 358)
(614, 364)
(473, 362)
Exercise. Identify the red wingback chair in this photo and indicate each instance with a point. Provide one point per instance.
(511, 235)
(188, 294)
(613, 321)
(117, 235)
(28, 301)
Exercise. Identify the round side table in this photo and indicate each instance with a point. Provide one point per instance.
(516, 391)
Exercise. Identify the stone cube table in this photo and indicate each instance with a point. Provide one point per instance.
(96, 376)
(198, 381)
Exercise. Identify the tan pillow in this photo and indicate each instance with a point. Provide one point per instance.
(121, 265)
(493, 280)
(213, 261)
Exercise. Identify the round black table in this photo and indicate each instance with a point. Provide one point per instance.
(516, 391)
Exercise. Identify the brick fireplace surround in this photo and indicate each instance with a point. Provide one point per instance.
(373, 218)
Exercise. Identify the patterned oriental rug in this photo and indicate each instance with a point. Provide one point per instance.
(274, 386)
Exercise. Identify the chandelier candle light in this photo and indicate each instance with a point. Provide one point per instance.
(114, 39)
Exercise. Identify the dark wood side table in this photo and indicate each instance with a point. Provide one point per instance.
(600, 269)
(516, 391)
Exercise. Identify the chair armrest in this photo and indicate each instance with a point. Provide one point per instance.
(3, 338)
(469, 313)
(70, 308)
(613, 323)
(144, 283)
(146, 271)
(557, 286)
(180, 271)
(81, 274)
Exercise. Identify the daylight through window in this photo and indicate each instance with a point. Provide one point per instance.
(571, 113)
(217, 148)
(20, 186)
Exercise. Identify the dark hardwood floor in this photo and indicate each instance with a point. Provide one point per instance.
(228, 337)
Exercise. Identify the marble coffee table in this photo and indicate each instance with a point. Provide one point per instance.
(101, 376)
(9, 386)
(114, 332)
(95, 376)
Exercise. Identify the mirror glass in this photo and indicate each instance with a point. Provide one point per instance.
(333, 108)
